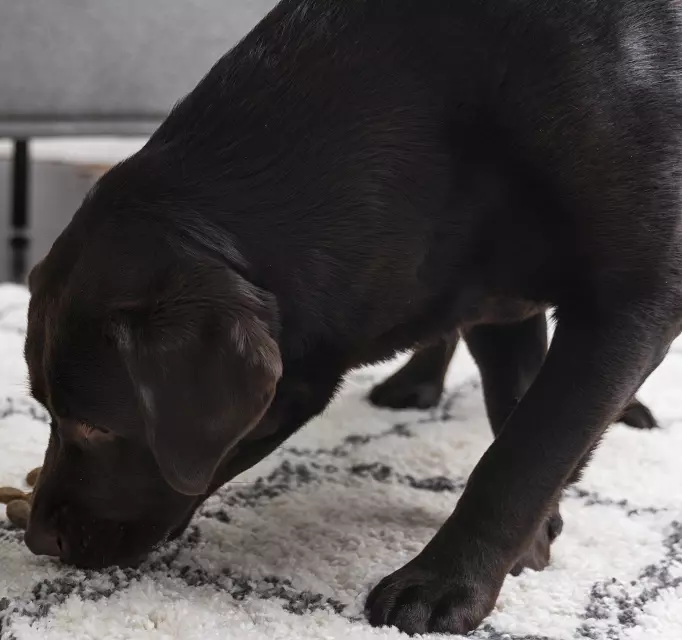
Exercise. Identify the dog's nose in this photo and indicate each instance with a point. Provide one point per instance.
(43, 542)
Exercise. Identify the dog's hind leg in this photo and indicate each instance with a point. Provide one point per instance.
(509, 356)
(419, 383)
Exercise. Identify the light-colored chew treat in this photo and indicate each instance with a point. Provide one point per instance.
(32, 477)
(10, 494)
(18, 512)
(19, 502)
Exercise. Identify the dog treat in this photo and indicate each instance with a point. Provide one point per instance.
(18, 512)
(32, 477)
(19, 502)
(10, 494)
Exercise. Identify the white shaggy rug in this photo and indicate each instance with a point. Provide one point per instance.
(290, 551)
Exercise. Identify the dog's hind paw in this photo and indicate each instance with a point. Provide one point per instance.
(401, 392)
(638, 416)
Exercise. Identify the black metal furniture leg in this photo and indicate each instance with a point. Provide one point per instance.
(20, 210)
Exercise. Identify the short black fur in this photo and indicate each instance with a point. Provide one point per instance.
(356, 178)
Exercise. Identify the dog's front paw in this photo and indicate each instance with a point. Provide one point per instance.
(418, 600)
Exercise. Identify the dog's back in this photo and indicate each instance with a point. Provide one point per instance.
(416, 158)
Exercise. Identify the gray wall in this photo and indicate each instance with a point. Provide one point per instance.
(107, 59)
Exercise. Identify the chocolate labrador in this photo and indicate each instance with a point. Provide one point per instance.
(353, 179)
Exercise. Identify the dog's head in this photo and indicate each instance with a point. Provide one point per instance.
(154, 371)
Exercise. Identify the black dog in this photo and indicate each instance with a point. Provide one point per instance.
(356, 178)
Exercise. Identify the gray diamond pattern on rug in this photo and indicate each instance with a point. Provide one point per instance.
(290, 549)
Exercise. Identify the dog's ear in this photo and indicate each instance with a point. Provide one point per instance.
(204, 361)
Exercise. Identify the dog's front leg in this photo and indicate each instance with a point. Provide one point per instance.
(593, 368)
